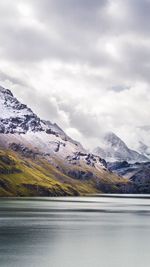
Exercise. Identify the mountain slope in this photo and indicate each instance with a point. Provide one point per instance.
(114, 149)
(30, 177)
(46, 160)
(137, 173)
(20, 176)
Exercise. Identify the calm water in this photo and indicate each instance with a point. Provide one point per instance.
(75, 232)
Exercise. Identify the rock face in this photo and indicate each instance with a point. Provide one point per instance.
(114, 149)
(89, 159)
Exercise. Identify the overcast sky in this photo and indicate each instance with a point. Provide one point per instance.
(84, 64)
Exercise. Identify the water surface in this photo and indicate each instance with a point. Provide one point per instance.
(96, 231)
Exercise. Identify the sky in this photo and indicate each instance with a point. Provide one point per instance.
(80, 63)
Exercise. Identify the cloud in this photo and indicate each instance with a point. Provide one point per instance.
(83, 64)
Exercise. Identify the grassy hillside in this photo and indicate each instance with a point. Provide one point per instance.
(21, 176)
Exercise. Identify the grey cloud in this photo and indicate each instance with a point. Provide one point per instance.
(14, 80)
(102, 46)
(139, 11)
(77, 24)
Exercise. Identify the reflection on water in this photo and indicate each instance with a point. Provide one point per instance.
(75, 232)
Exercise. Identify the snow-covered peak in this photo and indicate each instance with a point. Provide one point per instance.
(4, 91)
(17, 118)
(144, 149)
(10, 106)
(114, 149)
(113, 140)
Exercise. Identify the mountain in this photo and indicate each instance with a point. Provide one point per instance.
(137, 173)
(114, 149)
(144, 149)
(38, 158)
(19, 123)
(123, 168)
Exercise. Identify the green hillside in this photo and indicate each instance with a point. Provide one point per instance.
(37, 177)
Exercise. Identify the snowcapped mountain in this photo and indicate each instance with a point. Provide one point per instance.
(19, 124)
(144, 149)
(16, 117)
(114, 149)
(37, 157)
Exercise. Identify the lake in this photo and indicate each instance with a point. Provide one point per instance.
(108, 231)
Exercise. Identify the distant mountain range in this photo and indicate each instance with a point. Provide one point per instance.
(127, 163)
(37, 158)
(114, 149)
